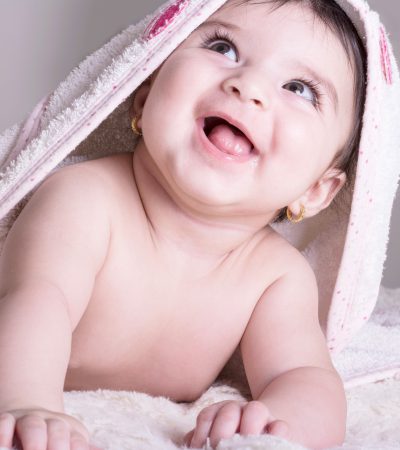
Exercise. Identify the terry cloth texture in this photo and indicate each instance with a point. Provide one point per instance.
(132, 420)
(86, 117)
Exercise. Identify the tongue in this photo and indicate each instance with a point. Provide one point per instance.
(226, 140)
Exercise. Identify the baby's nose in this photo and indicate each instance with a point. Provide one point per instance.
(247, 89)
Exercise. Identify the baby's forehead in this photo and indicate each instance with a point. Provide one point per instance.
(243, 13)
(256, 17)
(324, 25)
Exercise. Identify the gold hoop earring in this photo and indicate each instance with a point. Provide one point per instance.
(297, 219)
(136, 130)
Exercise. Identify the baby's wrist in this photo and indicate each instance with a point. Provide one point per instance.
(16, 407)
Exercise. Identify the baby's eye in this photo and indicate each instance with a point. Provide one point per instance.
(225, 48)
(306, 89)
(299, 88)
(221, 42)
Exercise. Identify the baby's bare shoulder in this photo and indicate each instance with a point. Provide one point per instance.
(108, 171)
(86, 185)
(293, 286)
(61, 238)
(285, 258)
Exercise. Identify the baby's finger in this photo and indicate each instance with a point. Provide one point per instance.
(226, 422)
(279, 428)
(32, 432)
(79, 442)
(7, 426)
(57, 435)
(187, 439)
(203, 424)
(255, 417)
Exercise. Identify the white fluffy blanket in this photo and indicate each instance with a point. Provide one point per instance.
(131, 420)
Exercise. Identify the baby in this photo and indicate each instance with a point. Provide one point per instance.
(162, 261)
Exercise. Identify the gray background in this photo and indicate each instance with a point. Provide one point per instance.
(42, 40)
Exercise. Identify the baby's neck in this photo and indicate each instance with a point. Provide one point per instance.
(194, 232)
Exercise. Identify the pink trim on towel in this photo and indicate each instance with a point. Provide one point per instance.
(385, 57)
(160, 23)
(372, 377)
(29, 130)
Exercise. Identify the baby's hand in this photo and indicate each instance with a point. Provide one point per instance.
(222, 420)
(40, 429)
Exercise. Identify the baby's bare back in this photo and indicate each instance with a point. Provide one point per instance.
(145, 316)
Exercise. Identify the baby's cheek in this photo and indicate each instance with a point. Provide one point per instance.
(305, 143)
(175, 76)
(188, 78)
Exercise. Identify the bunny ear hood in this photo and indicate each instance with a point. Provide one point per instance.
(87, 115)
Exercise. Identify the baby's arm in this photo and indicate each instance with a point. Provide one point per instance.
(297, 392)
(47, 271)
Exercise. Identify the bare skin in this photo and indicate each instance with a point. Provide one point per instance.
(130, 314)
(152, 260)
(157, 300)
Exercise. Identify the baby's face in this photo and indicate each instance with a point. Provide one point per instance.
(287, 81)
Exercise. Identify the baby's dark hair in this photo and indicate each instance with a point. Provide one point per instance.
(332, 15)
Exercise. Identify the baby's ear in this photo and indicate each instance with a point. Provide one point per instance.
(320, 195)
(140, 98)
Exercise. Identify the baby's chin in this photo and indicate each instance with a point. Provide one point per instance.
(199, 181)
(202, 183)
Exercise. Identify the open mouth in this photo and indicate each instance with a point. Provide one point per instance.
(227, 137)
(213, 121)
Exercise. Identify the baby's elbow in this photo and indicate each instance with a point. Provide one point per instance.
(336, 418)
(333, 436)
(329, 429)
(340, 434)
(332, 442)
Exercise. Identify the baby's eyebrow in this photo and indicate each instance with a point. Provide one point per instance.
(220, 23)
